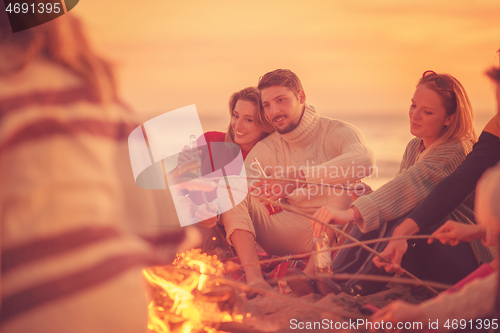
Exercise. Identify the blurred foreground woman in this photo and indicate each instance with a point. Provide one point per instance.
(75, 229)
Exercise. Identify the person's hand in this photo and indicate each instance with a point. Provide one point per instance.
(357, 190)
(330, 215)
(454, 232)
(187, 161)
(394, 251)
(186, 155)
(206, 218)
(396, 248)
(197, 184)
(398, 311)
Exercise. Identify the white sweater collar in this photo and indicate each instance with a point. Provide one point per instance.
(306, 126)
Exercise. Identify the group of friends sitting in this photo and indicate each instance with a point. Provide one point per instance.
(432, 193)
(76, 230)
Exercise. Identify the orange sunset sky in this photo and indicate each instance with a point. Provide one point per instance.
(355, 56)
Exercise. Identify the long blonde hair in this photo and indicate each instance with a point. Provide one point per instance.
(249, 94)
(456, 103)
(61, 41)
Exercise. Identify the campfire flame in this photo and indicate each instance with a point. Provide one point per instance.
(184, 298)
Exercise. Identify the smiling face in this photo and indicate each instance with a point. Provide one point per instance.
(427, 115)
(243, 123)
(282, 107)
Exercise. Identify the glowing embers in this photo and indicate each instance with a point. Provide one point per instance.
(186, 297)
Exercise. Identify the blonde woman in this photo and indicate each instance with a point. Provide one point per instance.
(247, 127)
(441, 118)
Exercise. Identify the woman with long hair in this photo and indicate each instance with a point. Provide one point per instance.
(453, 190)
(247, 126)
(441, 118)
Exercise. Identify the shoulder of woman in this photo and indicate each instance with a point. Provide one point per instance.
(454, 149)
(411, 152)
(465, 144)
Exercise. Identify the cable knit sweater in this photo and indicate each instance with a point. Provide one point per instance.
(328, 151)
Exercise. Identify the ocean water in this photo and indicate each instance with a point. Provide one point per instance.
(386, 135)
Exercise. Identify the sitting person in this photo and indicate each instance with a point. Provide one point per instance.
(305, 146)
(441, 118)
(477, 298)
(246, 128)
(452, 191)
(76, 229)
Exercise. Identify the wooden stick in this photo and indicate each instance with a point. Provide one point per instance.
(307, 254)
(368, 277)
(346, 235)
(290, 299)
(364, 246)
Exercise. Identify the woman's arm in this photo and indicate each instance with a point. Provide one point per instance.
(400, 195)
(455, 188)
(444, 198)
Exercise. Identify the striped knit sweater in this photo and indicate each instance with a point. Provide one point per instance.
(415, 179)
(71, 215)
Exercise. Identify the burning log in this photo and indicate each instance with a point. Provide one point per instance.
(187, 295)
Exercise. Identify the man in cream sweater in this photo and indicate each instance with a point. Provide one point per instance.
(304, 147)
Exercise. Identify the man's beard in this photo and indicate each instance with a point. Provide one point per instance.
(289, 128)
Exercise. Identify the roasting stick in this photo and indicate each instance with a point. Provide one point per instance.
(369, 277)
(364, 246)
(246, 287)
(346, 235)
(335, 247)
